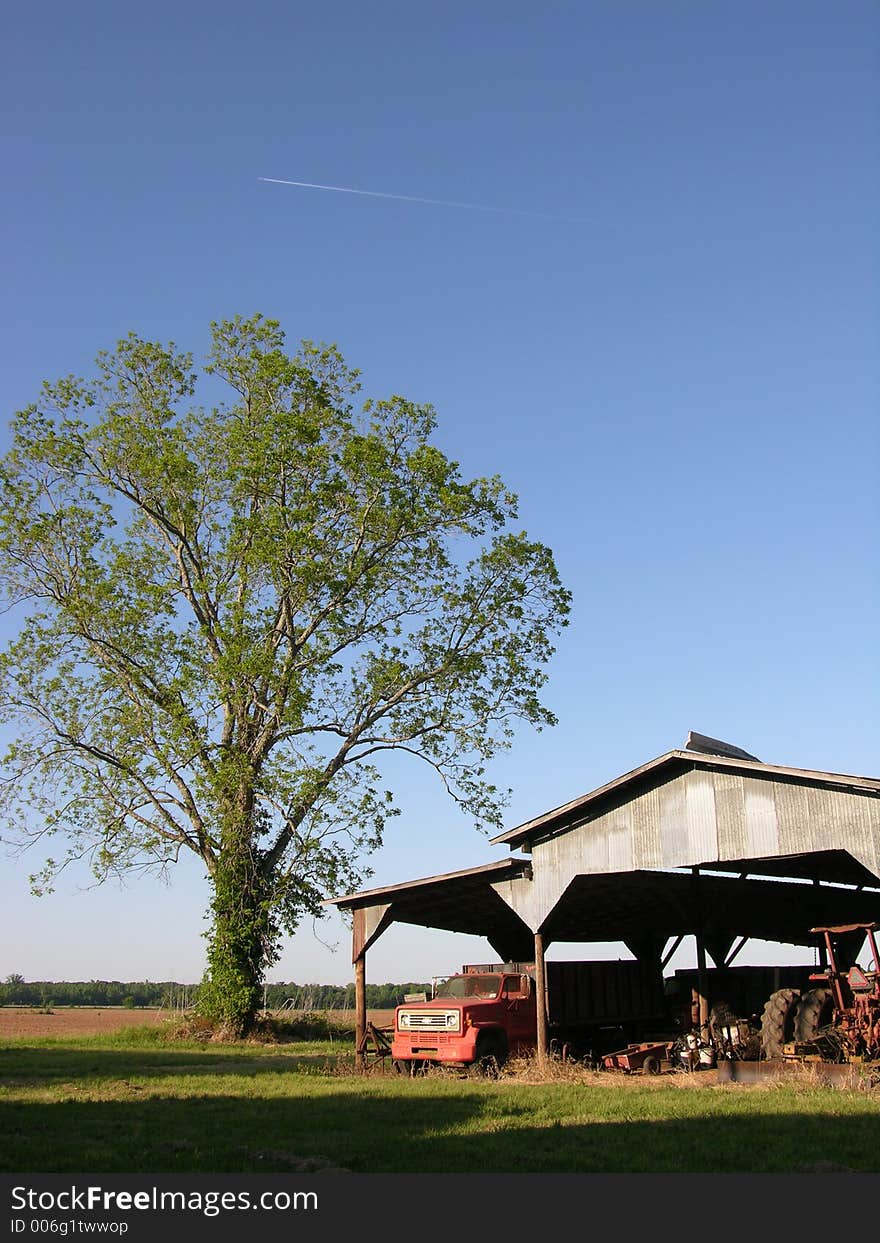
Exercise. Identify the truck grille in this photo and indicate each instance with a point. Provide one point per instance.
(429, 1020)
(425, 1021)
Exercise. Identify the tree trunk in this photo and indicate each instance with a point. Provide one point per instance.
(239, 943)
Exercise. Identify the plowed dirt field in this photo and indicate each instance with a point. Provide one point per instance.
(74, 1021)
(92, 1021)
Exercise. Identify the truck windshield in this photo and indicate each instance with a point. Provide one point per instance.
(470, 986)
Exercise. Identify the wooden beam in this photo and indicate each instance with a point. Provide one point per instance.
(719, 947)
(541, 999)
(360, 1011)
(668, 955)
(735, 951)
(646, 947)
(367, 925)
(702, 977)
(702, 987)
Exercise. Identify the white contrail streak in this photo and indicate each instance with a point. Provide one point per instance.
(409, 198)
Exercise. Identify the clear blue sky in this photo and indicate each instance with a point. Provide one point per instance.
(680, 375)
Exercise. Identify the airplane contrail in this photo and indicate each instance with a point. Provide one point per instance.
(409, 198)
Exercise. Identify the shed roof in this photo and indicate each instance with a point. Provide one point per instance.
(690, 839)
(467, 881)
(465, 901)
(668, 764)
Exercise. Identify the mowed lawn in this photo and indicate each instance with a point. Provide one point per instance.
(134, 1102)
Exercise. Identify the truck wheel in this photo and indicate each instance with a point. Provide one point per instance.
(490, 1055)
(777, 1021)
(409, 1066)
(816, 1010)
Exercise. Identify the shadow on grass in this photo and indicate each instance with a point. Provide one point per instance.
(450, 1132)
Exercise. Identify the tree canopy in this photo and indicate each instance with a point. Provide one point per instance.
(229, 612)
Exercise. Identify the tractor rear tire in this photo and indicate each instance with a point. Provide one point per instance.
(778, 1021)
(816, 1010)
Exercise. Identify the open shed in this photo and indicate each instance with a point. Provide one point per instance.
(705, 841)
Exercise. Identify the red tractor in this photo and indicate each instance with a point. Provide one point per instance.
(838, 1019)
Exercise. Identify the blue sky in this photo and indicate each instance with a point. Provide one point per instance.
(673, 361)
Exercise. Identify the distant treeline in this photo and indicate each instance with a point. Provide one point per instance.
(43, 993)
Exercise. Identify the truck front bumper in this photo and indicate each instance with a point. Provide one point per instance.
(433, 1047)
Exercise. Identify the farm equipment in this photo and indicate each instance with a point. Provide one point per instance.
(734, 1039)
(727, 1039)
(648, 1057)
(836, 1020)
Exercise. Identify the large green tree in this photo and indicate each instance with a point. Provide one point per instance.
(229, 612)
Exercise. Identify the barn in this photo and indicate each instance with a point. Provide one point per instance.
(704, 841)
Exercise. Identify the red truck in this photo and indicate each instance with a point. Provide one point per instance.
(478, 1018)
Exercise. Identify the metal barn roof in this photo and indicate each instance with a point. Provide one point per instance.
(692, 839)
(667, 766)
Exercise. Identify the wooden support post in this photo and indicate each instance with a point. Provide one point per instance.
(360, 1011)
(702, 977)
(541, 999)
(702, 987)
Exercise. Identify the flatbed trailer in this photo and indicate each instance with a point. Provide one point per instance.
(648, 1057)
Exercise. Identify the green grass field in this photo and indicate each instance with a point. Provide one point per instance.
(135, 1102)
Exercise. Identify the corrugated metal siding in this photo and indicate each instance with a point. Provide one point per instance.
(525, 897)
(819, 819)
(852, 821)
(760, 830)
(647, 834)
(730, 810)
(800, 828)
(673, 822)
(619, 836)
(701, 817)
